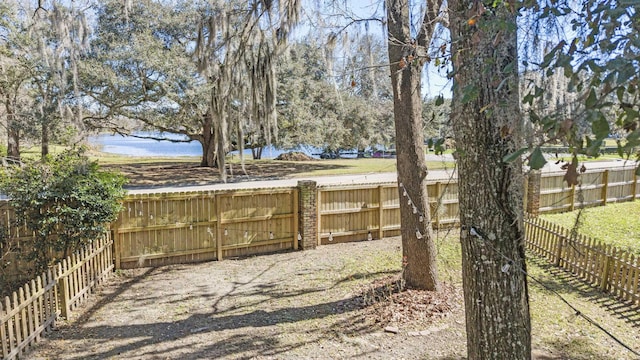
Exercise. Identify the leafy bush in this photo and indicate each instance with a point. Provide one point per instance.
(66, 201)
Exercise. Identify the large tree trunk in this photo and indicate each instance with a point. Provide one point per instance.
(208, 143)
(13, 142)
(13, 131)
(418, 247)
(256, 152)
(44, 147)
(487, 125)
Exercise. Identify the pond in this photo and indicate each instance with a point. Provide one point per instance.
(133, 146)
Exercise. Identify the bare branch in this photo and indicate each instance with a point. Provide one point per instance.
(429, 22)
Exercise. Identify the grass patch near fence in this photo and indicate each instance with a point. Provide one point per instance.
(555, 327)
(615, 224)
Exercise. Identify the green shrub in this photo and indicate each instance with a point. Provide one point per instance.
(66, 201)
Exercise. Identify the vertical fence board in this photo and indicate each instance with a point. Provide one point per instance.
(11, 339)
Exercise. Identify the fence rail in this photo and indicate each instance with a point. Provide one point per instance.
(33, 309)
(167, 228)
(597, 187)
(352, 213)
(612, 270)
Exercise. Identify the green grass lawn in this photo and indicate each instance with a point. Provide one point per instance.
(555, 327)
(362, 166)
(329, 167)
(615, 224)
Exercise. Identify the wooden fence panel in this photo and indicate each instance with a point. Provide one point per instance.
(390, 217)
(590, 190)
(620, 185)
(596, 187)
(352, 213)
(612, 270)
(254, 222)
(166, 228)
(554, 194)
(33, 309)
(443, 198)
(153, 228)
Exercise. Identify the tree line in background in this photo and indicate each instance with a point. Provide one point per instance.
(207, 71)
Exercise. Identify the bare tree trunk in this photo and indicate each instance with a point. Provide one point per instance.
(487, 125)
(418, 247)
(13, 142)
(220, 126)
(207, 142)
(45, 139)
(257, 153)
(13, 132)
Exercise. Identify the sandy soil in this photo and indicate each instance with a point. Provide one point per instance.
(329, 303)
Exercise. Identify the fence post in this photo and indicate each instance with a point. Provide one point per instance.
(63, 289)
(219, 226)
(572, 196)
(604, 282)
(380, 212)
(436, 216)
(532, 191)
(296, 213)
(3, 335)
(605, 186)
(634, 186)
(560, 246)
(115, 246)
(308, 220)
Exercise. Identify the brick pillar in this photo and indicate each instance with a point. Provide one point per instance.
(308, 219)
(533, 192)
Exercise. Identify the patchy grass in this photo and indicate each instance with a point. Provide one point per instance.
(615, 224)
(557, 329)
(156, 171)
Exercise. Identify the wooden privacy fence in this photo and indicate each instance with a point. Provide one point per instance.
(611, 269)
(13, 268)
(33, 309)
(597, 187)
(177, 227)
(351, 213)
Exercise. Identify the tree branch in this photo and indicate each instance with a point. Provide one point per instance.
(429, 22)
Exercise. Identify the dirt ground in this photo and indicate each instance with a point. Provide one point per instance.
(330, 303)
(182, 173)
(335, 302)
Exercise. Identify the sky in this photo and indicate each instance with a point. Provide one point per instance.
(434, 82)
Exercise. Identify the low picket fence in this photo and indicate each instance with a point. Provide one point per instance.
(613, 270)
(34, 308)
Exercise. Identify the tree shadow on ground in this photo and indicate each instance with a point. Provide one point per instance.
(248, 326)
(109, 293)
(563, 281)
(184, 173)
(144, 336)
(561, 349)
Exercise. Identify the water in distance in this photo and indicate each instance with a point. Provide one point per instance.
(132, 146)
